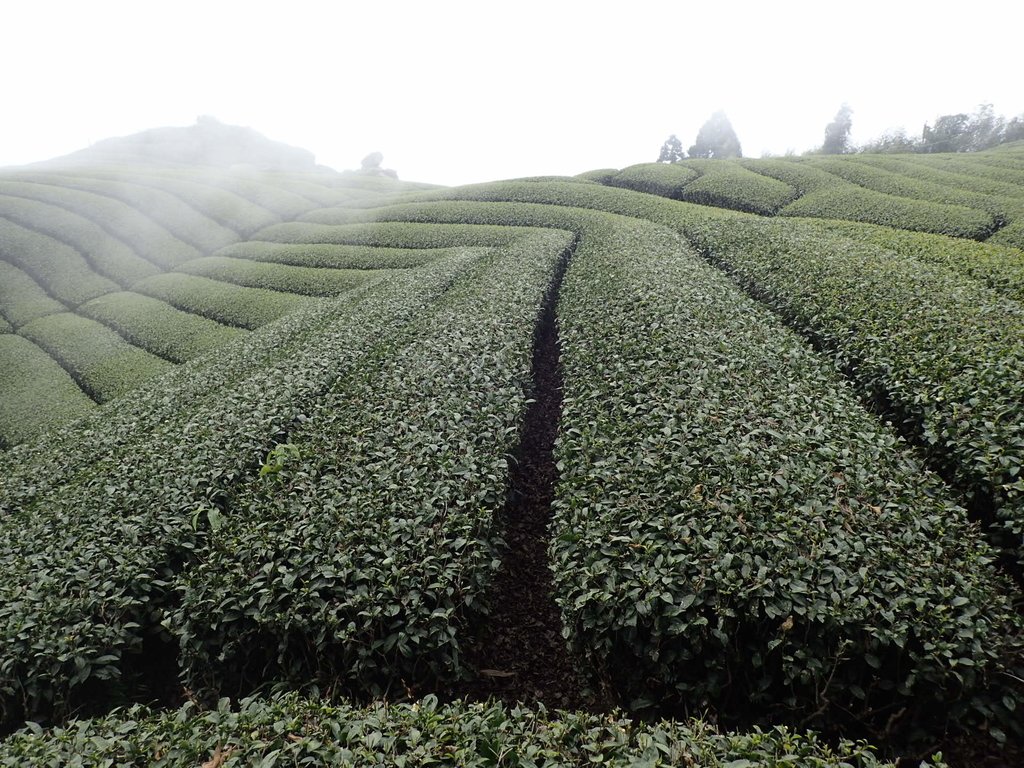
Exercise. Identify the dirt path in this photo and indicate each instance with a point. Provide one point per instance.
(521, 655)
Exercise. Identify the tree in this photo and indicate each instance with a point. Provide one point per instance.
(986, 128)
(1014, 130)
(671, 150)
(716, 139)
(894, 141)
(950, 134)
(837, 133)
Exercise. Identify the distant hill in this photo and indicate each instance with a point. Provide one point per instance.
(207, 143)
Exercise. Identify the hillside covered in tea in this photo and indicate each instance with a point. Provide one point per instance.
(715, 462)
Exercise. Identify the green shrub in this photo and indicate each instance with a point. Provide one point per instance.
(663, 179)
(872, 522)
(894, 183)
(143, 235)
(103, 364)
(37, 393)
(107, 517)
(941, 350)
(320, 229)
(308, 281)
(107, 255)
(358, 558)
(177, 217)
(997, 266)
(297, 731)
(727, 184)
(223, 302)
(731, 524)
(157, 327)
(325, 255)
(21, 298)
(59, 270)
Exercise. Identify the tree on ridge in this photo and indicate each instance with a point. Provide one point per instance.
(837, 133)
(671, 150)
(716, 139)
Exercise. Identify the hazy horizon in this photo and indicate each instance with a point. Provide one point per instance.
(458, 92)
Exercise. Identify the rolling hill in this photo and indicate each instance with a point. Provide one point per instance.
(732, 439)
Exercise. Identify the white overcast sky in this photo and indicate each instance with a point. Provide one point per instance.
(458, 92)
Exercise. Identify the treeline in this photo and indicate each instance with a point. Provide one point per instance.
(961, 132)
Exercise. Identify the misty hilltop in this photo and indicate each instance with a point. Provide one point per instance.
(208, 142)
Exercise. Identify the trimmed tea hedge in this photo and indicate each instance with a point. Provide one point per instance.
(289, 730)
(940, 351)
(823, 195)
(158, 327)
(855, 203)
(368, 540)
(103, 364)
(202, 193)
(999, 267)
(664, 179)
(99, 524)
(1011, 235)
(21, 298)
(59, 270)
(220, 301)
(892, 183)
(861, 501)
(309, 281)
(179, 218)
(37, 393)
(909, 166)
(106, 254)
(731, 527)
(147, 238)
(335, 256)
(727, 184)
(317, 228)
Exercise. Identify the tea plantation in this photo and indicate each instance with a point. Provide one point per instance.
(258, 432)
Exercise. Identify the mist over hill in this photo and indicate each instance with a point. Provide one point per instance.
(208, 142)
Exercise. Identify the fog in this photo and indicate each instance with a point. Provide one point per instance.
(458, 92)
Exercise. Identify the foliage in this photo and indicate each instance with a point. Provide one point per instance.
(289, 730)
(364, 559)
(330, 256)
(37, 394)
(716, 139)
(224, 302)
(306, 281)
(55, 267)
(962, 132)
(126, 224)
(671, 150)
(103, 517)
(654, 178)
(599, 175)
(942, 350)
(1000, 209)
(894, 141)
(103, 364)
(107, 255)
(997, 266)
(730, 185)
(853, 203)
(732, 524)
(342, 227)
(21, 298)
(157, 327)
(837, 133)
